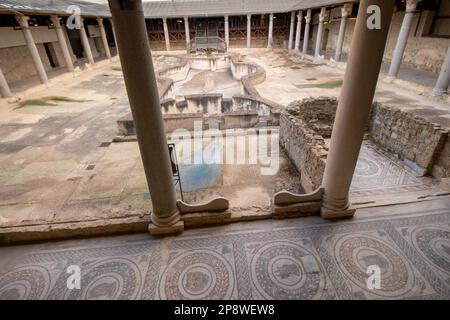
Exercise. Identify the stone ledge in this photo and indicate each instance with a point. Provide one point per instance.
(296, 210)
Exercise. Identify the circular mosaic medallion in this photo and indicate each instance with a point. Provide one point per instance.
(113, 278)
(285, 270)
(434, 245)
(30, 282)
(366, 167)
(200, 274)
(355, 253)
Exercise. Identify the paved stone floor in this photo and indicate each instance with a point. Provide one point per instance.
(306, 258)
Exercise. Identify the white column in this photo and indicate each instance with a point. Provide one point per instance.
(270, 37)
(306, 36)
(443, 81)
(4, 87)
(227, 32)
(291, 31)
(186, 32)
(114, 34)
(85, 43)
(140, 82)
(322, 17)
(23, 22)
(353, 109)
(402, 38)
(299, 31)
(104, 39)
(166, 34)
(62, 43)
(249, 30)
(345, 13)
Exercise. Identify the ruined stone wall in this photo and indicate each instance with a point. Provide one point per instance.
(305, 148)
(410, 136)
(422, 145)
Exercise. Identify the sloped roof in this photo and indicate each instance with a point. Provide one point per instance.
(199, 8)
(170, 8)
(55, 7)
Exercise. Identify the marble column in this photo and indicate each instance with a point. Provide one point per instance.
(299, 31)
(353, 109)
(345, 13)
(140, 82)
(270, 36)
(322, 17)
(104, 39)
(62, 43)
(402, 38)
(166, 34)
(114, 34)
(39, 66)
(249, 30)
(85, 43)
(443, 81)
(186, 32)
(227, 32)
(306, 36)
(291, 31)
(4, 87)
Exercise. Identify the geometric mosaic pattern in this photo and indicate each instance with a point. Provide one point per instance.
(294, 260)
(377, 173)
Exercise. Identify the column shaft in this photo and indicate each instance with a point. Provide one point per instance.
(322, 17)
(166, 34)
(85, 43)
(4, 87)
(402, 38)
(62, 43)
(291, 31)
(104, 39)
(23, 21)
(355, 101)
(298, 31)
(306, 36)
(186, 32)
(443, 81)
(114, 34)
(345, 12)
(140, 82)
(249, 30)
(270, 37)
(227, 32)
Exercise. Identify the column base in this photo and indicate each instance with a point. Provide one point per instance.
(173, 229)
(438, 92)
(337, 214)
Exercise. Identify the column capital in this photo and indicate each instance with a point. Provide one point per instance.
(186, 18)
(300, 15)
(23, 21)
(249, 16)
(308, 16)
(271, 16)
(226, 18)
(100, 19)
(292, 15)
(164, 20)
(323, 14)
(411, 5)
(56, 21)
(346, 10)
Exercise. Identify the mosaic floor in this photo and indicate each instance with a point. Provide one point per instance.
(305, 258)
(378, 172)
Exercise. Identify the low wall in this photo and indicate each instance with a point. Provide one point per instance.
(422, 145)
(412, 137)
